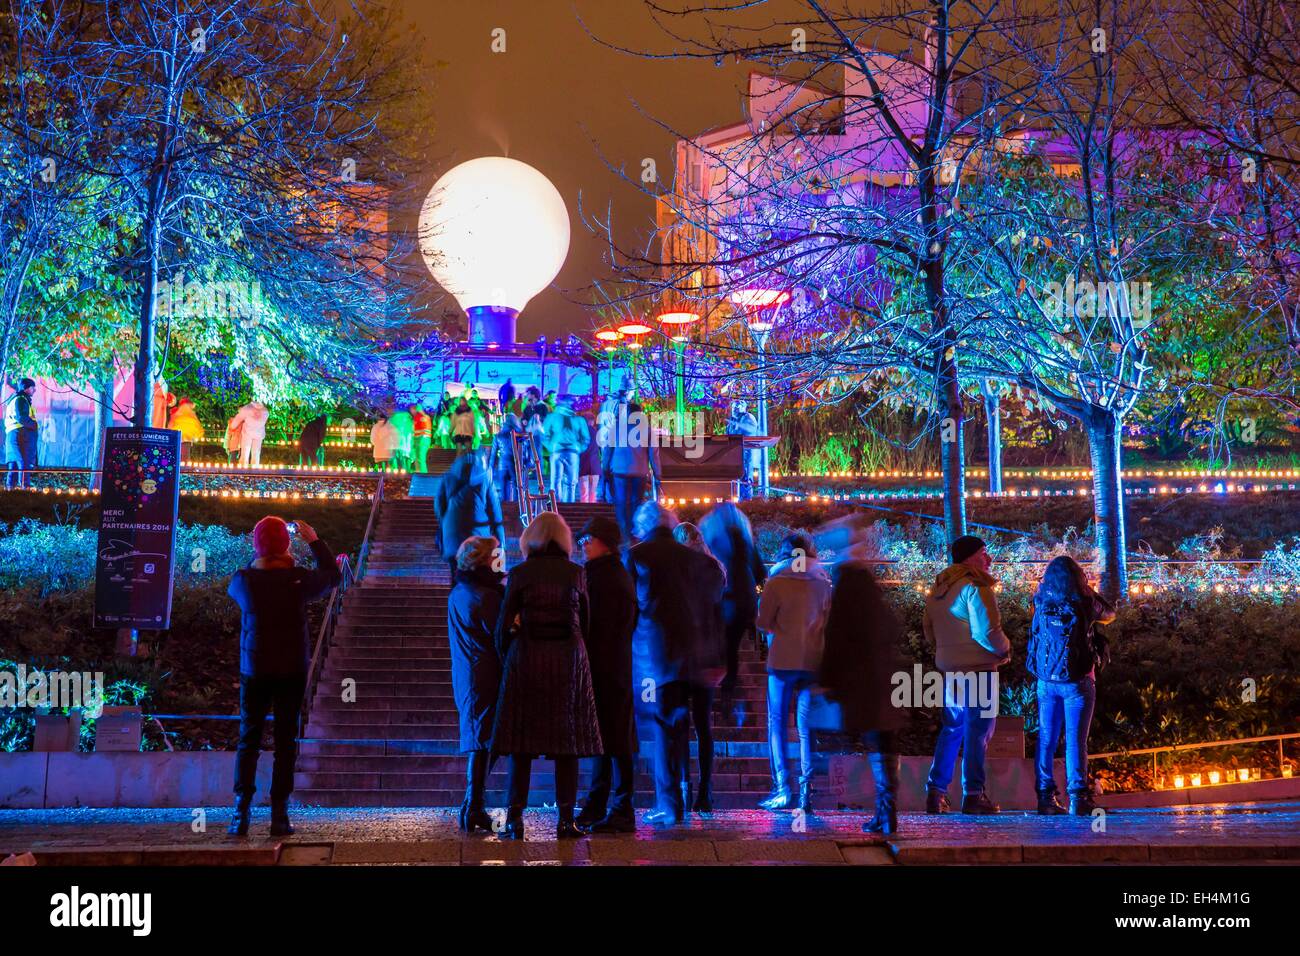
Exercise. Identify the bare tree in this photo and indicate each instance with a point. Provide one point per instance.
(827, 214)
(243, 143)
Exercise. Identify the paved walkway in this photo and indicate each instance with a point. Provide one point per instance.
(1246, 833)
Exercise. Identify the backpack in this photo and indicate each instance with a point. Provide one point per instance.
(1060, 643)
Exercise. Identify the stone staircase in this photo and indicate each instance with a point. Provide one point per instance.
(396, 744)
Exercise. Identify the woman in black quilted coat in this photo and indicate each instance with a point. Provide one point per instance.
(546, 705)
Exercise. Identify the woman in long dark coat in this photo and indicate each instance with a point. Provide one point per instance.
(860, 658)
(609, 649)
(473, 608)
(546, 705)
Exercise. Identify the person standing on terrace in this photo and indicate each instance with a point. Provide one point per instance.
(962, 619)
(272, 594)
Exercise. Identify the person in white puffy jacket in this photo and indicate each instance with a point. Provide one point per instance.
(962, 619)
(250, 422)
(384, 439)
(793, 610)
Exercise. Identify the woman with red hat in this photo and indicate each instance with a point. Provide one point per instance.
(274, 655)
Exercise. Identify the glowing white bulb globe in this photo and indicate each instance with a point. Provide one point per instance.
(494, 232)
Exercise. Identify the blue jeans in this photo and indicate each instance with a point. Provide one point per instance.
(564, 476)
(967, 729)
(20, 457)
(786, 688)
(628, 493)
(506, 483)
(1065, 705)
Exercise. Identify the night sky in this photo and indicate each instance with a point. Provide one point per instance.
(560, 101)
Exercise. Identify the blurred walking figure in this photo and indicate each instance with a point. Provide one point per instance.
(566, 437)
(860, 659)
(703, 685)
(606, 422)
(467, 506)
(473, 608)
(678, 592)
(234, 439)
(1065, 652)
(630, 464)
(742, 422)
(421, 438)
(962, 619)
(501, 457)
(405, 425)
(729, 536)
(20, 434)
(464, 428)
(251, 424)
(311, 442)
(609, 650)
(274, 656)
(383, 443)
(589, 465)
(547, 705)
(793, 611)
(185, 420)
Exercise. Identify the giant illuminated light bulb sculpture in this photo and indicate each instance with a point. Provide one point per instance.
(494, 233)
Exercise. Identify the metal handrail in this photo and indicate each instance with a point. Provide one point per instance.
(527, 499)
(1176, 748)
(326, 633)
(1200, 746)
(364, 554)
(335, 604)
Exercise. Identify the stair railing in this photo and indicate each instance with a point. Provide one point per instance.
(528, 460)
(334, 605)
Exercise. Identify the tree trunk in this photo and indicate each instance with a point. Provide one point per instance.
(142, 407)
(103, 420)
(1104, 430)
(992, 407)
(952, 450)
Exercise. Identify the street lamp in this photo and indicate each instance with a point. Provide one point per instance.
(608, 337)
(676, 322)
(634, 330)
(764, 306)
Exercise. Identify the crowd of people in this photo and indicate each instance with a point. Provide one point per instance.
(555, 657)
(558, 658)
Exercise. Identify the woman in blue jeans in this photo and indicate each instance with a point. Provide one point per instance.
(1063, 654)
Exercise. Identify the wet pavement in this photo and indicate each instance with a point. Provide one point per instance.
(1244, 833)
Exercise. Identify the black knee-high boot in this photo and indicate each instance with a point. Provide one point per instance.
(472, 815)
(884, 771)
(521, 774)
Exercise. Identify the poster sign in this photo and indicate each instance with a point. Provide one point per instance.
(139, 495)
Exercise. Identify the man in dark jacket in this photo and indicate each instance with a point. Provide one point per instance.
(629, 461)
(467, 506)
(20, 435)
(675, 644)
(274, 657)
(609, 650)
